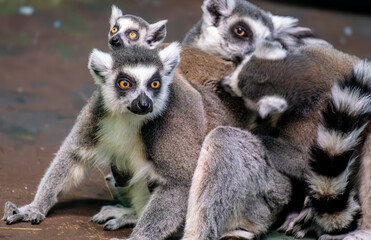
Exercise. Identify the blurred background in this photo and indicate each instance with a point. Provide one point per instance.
(44, 49)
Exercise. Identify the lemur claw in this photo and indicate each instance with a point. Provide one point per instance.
(14, 214)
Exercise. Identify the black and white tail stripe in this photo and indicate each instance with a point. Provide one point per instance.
(334, 154)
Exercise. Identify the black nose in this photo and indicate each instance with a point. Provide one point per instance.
(116, 41)
(141, 105)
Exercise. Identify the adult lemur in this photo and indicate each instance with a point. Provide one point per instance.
(234, 30)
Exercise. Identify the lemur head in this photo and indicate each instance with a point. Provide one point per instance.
(238, 81)
(231, 29)
(129, 30)
(135, 79)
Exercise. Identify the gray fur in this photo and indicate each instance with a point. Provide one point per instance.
(148, 35)
(239, 203)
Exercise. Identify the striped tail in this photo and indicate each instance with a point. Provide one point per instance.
(334, 155)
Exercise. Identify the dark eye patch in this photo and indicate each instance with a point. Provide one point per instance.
(124, 77)
(132, 34)
(241, 26)
(155, 77)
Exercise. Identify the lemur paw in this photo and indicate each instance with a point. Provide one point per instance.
(26, 213)
(123, 221)
(271, 105)
(298, 224)
(115, 217)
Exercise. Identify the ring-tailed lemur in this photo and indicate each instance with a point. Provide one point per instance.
(133, 88)
(130, 30)
(231, 29)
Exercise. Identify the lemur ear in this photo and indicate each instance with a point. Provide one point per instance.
(115, 14)
(214, 9)
(100, 64)
(170, 58)
(156, 33)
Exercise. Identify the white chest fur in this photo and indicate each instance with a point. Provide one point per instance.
(120, 143)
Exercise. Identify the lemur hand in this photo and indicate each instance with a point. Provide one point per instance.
(26, 213)
(271, 105)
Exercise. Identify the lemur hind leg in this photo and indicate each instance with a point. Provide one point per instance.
(227, 194)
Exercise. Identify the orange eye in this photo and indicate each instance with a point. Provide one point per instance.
(124, 84)
(240, 32)
(133, 35)
(155, 84)
(114, 30)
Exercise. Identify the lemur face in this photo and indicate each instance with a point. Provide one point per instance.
(135, 79)
(231, 28)
(129, 30)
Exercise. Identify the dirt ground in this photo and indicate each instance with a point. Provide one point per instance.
(45, 82)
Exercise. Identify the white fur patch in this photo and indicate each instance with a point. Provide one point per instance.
(99, 62)
(120, 143)
(210, 40)
(115, 14)
(259, 29)
(141, 73)
(170, 58)
(335, 142)
(283, 23)
(77, 173)
(363, 71)
(350, 101)
(274, 51)
(271, 105)
(240, 234)
(233, 79)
